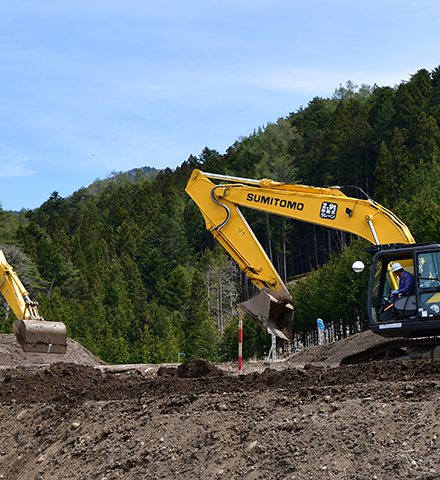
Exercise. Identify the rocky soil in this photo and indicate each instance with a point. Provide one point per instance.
(301, 419)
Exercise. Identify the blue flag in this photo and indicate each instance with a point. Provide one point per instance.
(320, 324)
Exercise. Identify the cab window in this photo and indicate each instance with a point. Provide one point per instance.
(428, 265)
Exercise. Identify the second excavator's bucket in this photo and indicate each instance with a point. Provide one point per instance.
(41, 336)
(276, 316)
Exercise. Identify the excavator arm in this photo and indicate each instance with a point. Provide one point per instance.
(32, 331)
(219, 204)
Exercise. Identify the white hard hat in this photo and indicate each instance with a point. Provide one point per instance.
(396, 266)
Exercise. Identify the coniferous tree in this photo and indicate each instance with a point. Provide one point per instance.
(386, 184)
(201, 335)
(115, 261)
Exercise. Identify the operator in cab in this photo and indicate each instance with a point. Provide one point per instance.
(406, 281)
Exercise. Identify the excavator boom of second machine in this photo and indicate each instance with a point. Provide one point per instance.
(32, 331)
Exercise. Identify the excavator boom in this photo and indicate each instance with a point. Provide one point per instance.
(219, 204)
(32, 331)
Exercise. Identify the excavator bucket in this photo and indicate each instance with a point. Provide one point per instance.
(41, 336)
(277, 317)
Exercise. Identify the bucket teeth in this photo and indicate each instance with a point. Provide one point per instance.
(41, 336)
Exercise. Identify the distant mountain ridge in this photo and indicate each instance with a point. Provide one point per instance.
(133, 175)
(148, 171)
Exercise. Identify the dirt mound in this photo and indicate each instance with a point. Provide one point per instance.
(11, 354)
(198, 368)
(80, 383)
(164, 371)
(73, 421)
(334, 354)
(191, 369)
(76, 422)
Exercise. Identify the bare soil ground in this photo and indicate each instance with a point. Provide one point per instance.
(302, 419)
(11, 354)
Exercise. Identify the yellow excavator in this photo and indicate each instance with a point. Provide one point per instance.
(33, 332)
(219, 198)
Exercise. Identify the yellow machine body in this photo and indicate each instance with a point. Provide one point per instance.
(219, 204)
(33, 332)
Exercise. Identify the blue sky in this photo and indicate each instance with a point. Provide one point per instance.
(95, 86)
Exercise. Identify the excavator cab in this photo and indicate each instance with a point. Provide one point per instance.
(416, 314)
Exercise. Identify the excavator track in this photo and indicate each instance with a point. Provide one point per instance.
(398, 348)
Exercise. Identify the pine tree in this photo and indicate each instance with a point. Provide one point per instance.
(426, 138)
(177, 289)
(386, 186)
(201, 336)
(412, 99)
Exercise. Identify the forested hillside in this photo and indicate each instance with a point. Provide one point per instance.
(130, 269)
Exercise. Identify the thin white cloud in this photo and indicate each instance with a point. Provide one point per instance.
(15, 169)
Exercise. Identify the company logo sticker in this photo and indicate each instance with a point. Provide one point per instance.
(328, 210)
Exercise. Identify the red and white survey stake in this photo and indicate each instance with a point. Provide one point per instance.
(240, 345)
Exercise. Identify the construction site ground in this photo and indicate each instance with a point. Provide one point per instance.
(304, 418)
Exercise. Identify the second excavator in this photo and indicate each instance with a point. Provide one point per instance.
(414, 315)
(33, 332)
